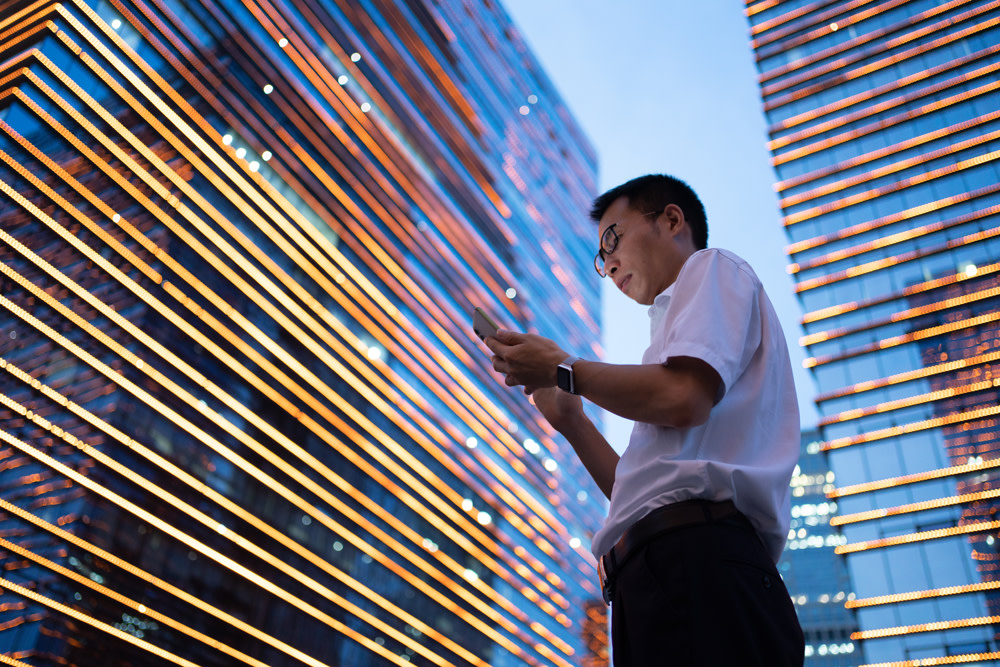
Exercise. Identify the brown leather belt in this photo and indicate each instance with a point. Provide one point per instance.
(660, 520)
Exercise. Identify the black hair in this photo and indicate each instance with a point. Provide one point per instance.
(654, 192)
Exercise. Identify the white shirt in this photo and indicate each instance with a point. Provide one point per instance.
(716, 311)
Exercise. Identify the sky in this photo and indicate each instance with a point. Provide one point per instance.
(670, 86)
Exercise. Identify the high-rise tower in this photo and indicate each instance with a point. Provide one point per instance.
(884, 129)
(243, 416)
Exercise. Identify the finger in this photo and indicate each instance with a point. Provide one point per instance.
(496, 346)
(509, 337)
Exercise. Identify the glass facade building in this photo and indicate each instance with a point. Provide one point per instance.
(885, 135)
(243, 415)
(816, 577)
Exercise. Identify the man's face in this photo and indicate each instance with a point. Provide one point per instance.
(649, 251)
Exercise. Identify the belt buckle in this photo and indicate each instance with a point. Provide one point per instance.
(605, 584)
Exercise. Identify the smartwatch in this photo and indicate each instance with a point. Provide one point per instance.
(565, 379)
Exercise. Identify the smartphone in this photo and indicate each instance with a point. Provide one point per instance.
(483, 324)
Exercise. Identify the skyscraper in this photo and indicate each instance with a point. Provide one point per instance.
(816, 577)
(243, 416)
(884, 126)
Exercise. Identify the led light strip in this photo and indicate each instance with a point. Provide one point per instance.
(929, 397)
(907, 376)
(902, 184)
(982, 587)
(447, 396)
(925, 627)
(879, 264)
(871, 156)
(228, 533)
(943, 660)
(904, 100)
(878, 485)
(964, 499)
(901, 316)
(918, 288)
(238, 568)
(902, 339)
(842, 185)
(885, 46)
(849, 44)
(271, 483)
(911, 538)
(110, 629)
(912, 427)
(136, 606)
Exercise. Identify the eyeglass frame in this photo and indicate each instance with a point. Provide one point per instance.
(603, 251)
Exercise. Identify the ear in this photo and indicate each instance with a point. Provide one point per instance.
(675, 218)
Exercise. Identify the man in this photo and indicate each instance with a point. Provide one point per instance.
(700, 498)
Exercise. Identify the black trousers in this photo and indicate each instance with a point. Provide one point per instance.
(704, 596)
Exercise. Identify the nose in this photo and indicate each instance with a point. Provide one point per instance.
(610, 266)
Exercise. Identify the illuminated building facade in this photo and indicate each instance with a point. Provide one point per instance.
(243, 416)
(816, 577)
(884, 121)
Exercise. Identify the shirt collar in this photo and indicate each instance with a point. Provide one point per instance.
(660, 303)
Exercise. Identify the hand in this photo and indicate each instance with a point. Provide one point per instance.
(560, 408)
(525, 359)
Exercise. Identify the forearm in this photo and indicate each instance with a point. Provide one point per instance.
(594, 452)
(649, 393)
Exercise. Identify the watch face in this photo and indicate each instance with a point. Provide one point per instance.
(564, 378)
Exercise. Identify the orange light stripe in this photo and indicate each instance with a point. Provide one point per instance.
(208, 344)
(907, 376)
(912, 427)
(237, 568)
(308, 299)
(902, 184)
(910, 401)
(983, 587)
(320, 491)
(919, 288)
(853, 43)
(240, 541)
(443, 458)
(919, 33)
(925, 627)
(902, 339)
(871, 156)
(895, 167)
(951, 501)
(879, 264)
(7, 660)
(905, 99)
(940, 473)
(943, 660)
(964, 529)
(100, 625)
(901, 316)
(135, 606)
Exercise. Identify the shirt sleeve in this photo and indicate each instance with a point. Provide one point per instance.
(714, 315)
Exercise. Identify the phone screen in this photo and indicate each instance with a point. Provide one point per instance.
(483, 324)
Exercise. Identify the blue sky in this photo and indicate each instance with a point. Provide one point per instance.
(669, 86)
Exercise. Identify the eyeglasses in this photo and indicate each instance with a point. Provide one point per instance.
(609, 243)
